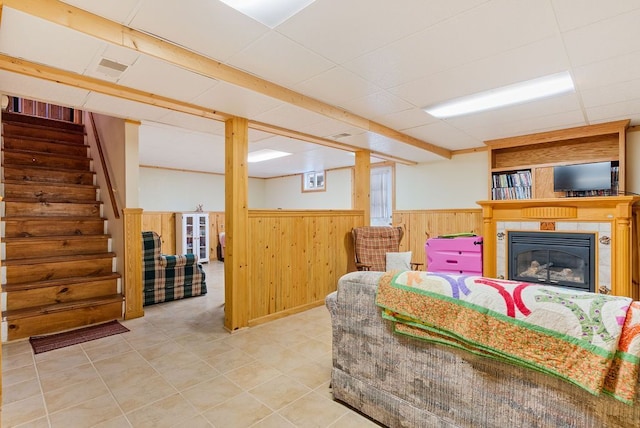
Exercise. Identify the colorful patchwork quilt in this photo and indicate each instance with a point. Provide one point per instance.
(589, 339)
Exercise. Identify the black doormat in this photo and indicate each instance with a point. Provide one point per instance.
(85, 334)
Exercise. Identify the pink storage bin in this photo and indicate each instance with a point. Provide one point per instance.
(461, 255)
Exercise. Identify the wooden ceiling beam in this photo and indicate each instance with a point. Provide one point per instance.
(79, 81)
(112, 32)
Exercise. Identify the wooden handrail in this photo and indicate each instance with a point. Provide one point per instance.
(114, 204)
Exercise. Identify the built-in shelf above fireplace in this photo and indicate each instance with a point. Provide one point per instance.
(608, 218)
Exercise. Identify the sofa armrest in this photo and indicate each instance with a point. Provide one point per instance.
(177, 261)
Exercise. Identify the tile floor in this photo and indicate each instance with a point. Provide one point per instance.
(178, 367)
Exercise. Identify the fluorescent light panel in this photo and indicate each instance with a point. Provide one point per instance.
(522, 92)
(265, 155)
(269, 12)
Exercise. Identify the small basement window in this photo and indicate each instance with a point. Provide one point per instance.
(313, 181)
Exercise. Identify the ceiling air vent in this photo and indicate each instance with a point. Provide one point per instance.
(111, 68)
(344, 134)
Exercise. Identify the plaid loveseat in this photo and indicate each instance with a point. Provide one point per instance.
(168, 278)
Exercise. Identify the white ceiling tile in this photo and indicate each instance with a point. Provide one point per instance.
(611, 94)
(206, 26)
(151, 75)
(341, 30)
(122, 108)
(328, 128)
(37, 40)
(280, 60)
(42, 90)
(378, 104)
(467, 37)
(444, 134)
(290, 117)
(604, 39)
(617, 111)
(534, 60)
(235, 100)
(191, 122)
(113, 53)
(336, 86)
(115, 10)
(572, 14)
(618, 69)
(409, 118)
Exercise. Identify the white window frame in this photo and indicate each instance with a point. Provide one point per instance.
(314, 181)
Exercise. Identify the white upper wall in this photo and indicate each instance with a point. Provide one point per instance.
(451, 183)
(172, 190)
(286, 192)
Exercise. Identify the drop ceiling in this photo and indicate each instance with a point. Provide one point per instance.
(375, 59)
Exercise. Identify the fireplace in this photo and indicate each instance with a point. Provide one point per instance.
(553, 258)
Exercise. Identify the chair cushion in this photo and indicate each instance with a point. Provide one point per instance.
(399, 261)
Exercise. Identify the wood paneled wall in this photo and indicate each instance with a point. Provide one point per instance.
(164, 224)
(422, 225)
(296, 259)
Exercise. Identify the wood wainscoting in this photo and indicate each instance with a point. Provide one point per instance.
(420, 225)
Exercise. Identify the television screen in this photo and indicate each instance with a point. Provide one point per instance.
(582, 177)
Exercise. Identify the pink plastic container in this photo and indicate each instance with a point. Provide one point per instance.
(461, 255)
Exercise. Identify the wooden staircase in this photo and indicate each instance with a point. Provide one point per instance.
(57, 264)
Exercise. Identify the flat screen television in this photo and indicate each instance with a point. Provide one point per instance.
(582, 177)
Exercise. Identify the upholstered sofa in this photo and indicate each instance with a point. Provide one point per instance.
(402, 381)
(169, 277)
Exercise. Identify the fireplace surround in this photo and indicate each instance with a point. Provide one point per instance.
(553, 258)
(609, 218)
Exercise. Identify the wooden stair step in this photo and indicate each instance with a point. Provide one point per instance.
(43, 145)
(54, 292)
(51, 175)
(18, 207)
(52, 192)
(26, 119)
(22, 323)
(28, 130)
(59, 282)
(36, 247)
(13, 157)
(20, 271)
(29, 226)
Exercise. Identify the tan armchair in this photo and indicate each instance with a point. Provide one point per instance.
(372, 243)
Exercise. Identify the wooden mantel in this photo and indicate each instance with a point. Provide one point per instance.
(616, 210)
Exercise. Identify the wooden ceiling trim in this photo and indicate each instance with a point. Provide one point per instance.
(52, 74)
(117, 34)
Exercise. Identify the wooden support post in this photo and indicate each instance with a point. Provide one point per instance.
(362, 184)
(622, 262)
(133, 263)
(236, 257)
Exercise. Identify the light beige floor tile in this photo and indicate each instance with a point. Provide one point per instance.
(312, 348)
(230, 360)
(69, 395)
(325, 391)
(38, 423)
(238, 412)
(197, 421)
(284, 359)
(126, 368)
(160, 349)
(23, 411)
(20, 391)
(279, 392)
(145, 337)
(20, 374)
(86, 414)
(204, 348)
(16, 361)
(63, 361)
(74, 375)
(273, 421)
(108, 348)
(208, 394)
(353, 420)
(252, 375)
(312, 373)
(187, 376)
(164, 413)
(15, 348)
(132, 396)
(61, 353)
(117, 422)
(172, 360)
(313, 410)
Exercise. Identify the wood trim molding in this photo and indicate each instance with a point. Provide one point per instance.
(117, 34)
(132, 263)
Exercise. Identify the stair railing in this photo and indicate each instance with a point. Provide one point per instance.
(112, 195)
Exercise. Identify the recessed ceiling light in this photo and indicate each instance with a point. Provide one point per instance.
(269, 12)
(529, 90)
(265, 154)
